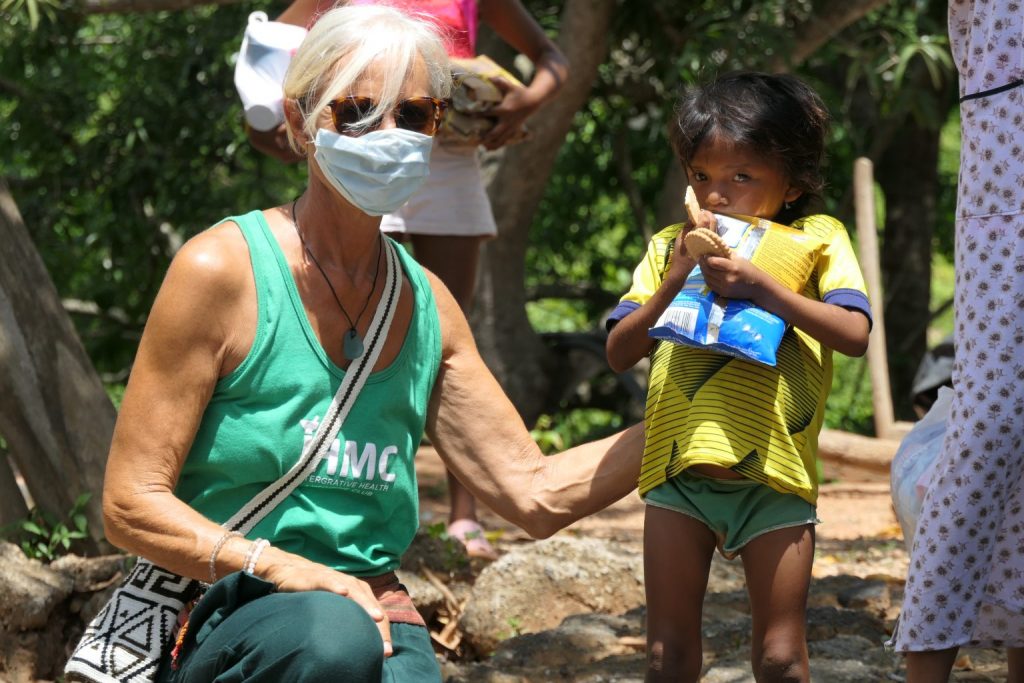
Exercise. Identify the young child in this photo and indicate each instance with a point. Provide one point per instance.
(730, 447)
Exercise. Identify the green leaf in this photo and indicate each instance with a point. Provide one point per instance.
(32, 528)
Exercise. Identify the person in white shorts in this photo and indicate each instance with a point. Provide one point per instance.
(450, 217)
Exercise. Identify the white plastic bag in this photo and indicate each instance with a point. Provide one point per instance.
(259, 72)
(914, 463)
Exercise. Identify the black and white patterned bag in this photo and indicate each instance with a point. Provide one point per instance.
(128, 638)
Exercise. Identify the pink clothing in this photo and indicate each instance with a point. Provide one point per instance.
(453, 200)
(456, 20)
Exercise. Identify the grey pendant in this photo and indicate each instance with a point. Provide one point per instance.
(353, 345)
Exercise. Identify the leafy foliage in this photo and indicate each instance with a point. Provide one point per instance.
(43, 537)
(121, 137)
(125, 138)
(454, 555)
(587, 228)
(554, 434)
(33, 10)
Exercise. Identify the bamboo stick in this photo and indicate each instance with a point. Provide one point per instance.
(867, 243)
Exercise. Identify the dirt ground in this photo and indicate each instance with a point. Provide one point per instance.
(859, 536)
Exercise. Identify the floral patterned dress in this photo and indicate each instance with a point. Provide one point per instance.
(966, 580)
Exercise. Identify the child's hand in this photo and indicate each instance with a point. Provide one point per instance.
(682, 262)
(696, 216)
(733, 278)
(706, 219)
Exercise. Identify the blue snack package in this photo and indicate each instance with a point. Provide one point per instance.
(698, 317)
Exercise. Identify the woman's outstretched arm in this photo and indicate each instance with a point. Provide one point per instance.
(483, 441)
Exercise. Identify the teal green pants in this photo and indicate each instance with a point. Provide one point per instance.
(242, 631)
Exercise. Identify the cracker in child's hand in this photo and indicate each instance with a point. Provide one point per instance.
(691, 204)
(703, 242)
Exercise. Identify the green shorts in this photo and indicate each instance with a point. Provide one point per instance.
(736, 510)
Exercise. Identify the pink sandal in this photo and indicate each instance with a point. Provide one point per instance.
(471, 534)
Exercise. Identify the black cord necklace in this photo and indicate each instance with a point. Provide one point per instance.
(352, 343)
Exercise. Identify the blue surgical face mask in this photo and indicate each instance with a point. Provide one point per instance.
(377, 172)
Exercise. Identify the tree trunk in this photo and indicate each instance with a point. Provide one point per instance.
(54, 414)
(827, 20)
(513, 351)
(670, 198)
(907, 174)
(12, 503)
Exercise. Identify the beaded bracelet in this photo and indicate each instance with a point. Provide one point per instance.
(253, 556)
(216, 549)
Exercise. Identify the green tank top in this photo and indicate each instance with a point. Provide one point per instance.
(358, 512)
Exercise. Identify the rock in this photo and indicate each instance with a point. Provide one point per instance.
(91, 574)
(580, 639)
(440, 554)
(453, 673)
(427, 598)
(586, 648)
(726, 575)
(825, 623)
(847, 647)
(872, 596)
(29, 590)
(534, 587)
(844, 671)
(736, 600)
(728, 673)
(95, 579)
(37, 611)
(725, 629)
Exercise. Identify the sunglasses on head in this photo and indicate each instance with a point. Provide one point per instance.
(418, 114)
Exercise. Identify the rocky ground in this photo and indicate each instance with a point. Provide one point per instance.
(860, 565)
(569, 608)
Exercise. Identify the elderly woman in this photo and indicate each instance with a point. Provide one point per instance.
(255, 327)
(449, 218)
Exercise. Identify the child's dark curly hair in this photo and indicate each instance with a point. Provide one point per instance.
(778, 116)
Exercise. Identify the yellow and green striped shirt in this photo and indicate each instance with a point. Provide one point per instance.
(760, 421)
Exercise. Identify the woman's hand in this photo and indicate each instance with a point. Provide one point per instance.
(734, 278)
(511, 113)
(292, 574)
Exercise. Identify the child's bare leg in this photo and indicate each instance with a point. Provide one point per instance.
(778, 570)
(1015, 665)
(677, 557)
(930, 666)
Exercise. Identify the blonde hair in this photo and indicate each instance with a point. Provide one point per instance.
(362, 35)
